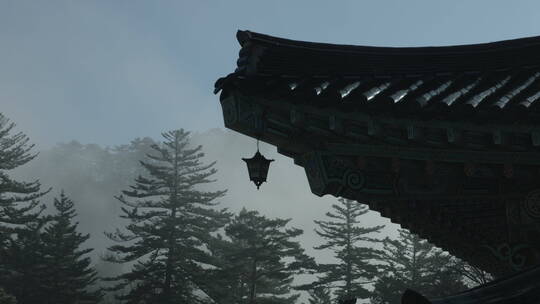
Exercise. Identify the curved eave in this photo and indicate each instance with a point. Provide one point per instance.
(489, 82)
(249, 36)
(265, 55)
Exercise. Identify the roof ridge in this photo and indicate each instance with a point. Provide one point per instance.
(244, 36)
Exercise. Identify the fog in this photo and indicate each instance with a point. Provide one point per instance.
(82, 171)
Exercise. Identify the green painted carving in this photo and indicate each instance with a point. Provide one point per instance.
(353, 180)
(513, 213)
(523, 219)
(531, 205)
(518, 256)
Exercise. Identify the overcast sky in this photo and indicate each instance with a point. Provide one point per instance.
(108, 71)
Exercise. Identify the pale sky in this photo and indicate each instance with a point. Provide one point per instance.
(108, 71)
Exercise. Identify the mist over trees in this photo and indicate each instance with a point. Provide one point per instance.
(92, 176)
(40, 260)
(170, 225)
(176, 243)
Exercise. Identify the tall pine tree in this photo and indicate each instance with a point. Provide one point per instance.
(473, 276)
(69, 274)
(19, 209)
(261, 260)
(47, 263)
(27, 271)
(17, 199)
(347, 238)
(410, 262)
(171, 225)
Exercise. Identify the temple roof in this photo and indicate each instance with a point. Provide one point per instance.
(442, 140)
(299, 58)
(479, 82)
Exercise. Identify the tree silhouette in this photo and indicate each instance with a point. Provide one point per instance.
(344, 235)
(170, 226)
(261, 259)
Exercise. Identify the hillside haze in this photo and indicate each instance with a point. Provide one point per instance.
(92, 175)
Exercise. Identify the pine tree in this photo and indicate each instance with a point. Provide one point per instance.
(320, 295)
(18, 205)
(445, 279)
(25, 255)
(68, 272)
(123, 158)
(171, 225)
(410, 262)
(107, 270)
(473, 276)
(262, 259)
(388, 290)
(343, 234)
(46, 263)
(19, 210)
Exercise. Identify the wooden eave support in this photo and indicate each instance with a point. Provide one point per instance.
(429, 168)
(361, 162)
(529, 158)
(414, 133)
(297, 117)
(386, 211)
(469, 169)
(374, 128)
(499, 137)
(535, 138)
(335, 123)
(508, 170)
(453, 135)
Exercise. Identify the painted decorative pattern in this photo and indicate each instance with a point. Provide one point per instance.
(531, 205)
(354, 180)
(514, 255)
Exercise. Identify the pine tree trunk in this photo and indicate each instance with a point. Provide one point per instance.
(414, 274)
(167, 287)
(348, 285)
(348, 278)
(170, 253)
(169, 266)
(253, 283)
